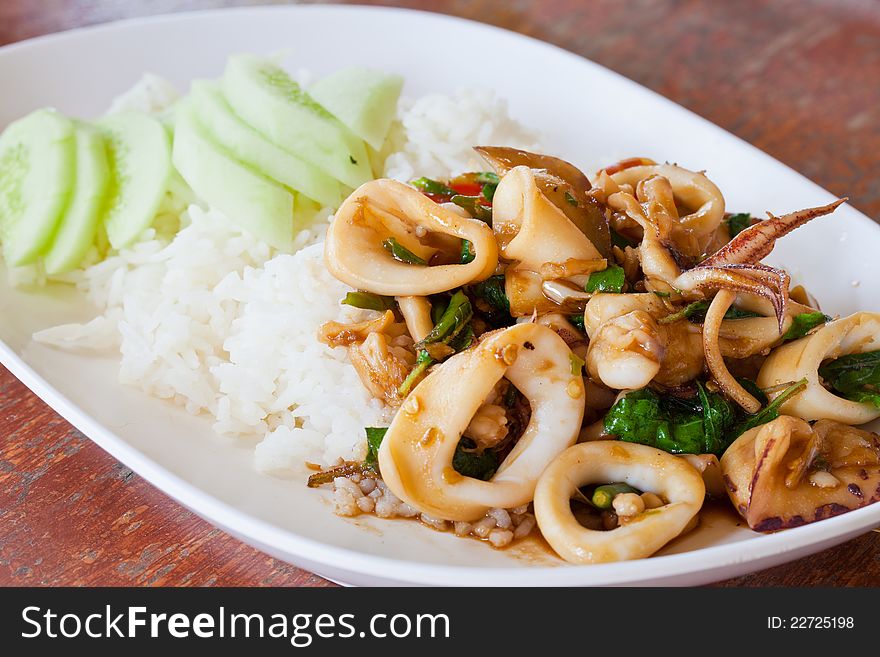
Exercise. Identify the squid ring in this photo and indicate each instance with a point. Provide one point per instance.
(354, 254)
(858, 333)
(690, 187)
(416, 454)
(600, 462)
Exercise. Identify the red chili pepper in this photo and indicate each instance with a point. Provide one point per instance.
(466, 188)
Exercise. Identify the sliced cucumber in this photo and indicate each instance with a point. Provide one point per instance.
(139, 155)
(36, 179)
(78, 226)
(363, 99)
(264, 96)
(259, 205)
(256, 151)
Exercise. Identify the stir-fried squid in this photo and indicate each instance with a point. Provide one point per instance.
(802, 359)
(544, 243)
(519, 311)
(689, 189)
(788, 473)
(675, 481)
(382, 210)
(416, 455)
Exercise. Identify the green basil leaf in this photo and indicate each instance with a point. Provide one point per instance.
(401, 253)
(804, 323)
(619, 240)
(470, 463)
(467, 252)
(492, 290)
(474, 207)
(434, 187)
(611, 279)
(737, 223)
(374, 441)
(854, 376)
(368, 301)
(770, 412)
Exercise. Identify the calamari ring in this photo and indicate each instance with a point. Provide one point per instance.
(600, 462)
(858, 333)
(354, 254)
(690, 187)
(416, 454)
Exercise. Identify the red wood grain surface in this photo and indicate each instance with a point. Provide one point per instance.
(797, 78)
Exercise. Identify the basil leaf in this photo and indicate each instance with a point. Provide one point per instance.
(611, 279)
(865, 397)
(423, 362)
(434, 187)
(473, 207)
(697, 308)
(463, 340)
(467, 252)
(738, 313)
(439, 305)
(804, 323)
(672, 424)
(753, 389)
(492, 290)
(374, 441)
(453, 328)
(855, 377)
(401, 253)
(619, 240)
(770, 412)
(368, 301)
(737, 223)
(490, 182)
(696, 312)
(718, 417)
(470, 463)
(457, 314)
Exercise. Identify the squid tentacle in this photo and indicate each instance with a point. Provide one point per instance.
(757, 241)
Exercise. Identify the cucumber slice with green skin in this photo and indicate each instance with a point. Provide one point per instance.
(364, 100)
(256, 151)
(262, 207)
(139, 155)
(36, 179)
(77, 229)
(266, 98)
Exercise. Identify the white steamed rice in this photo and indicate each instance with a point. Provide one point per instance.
(218, 323)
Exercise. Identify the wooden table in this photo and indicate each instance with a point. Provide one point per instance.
(797, 78)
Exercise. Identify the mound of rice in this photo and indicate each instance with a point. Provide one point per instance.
(215, 321)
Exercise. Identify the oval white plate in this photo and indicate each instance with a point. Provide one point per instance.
(586, 114)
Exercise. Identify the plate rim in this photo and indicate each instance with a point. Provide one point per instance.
(351, 564)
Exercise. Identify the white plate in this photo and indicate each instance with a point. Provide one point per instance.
(585, 112)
